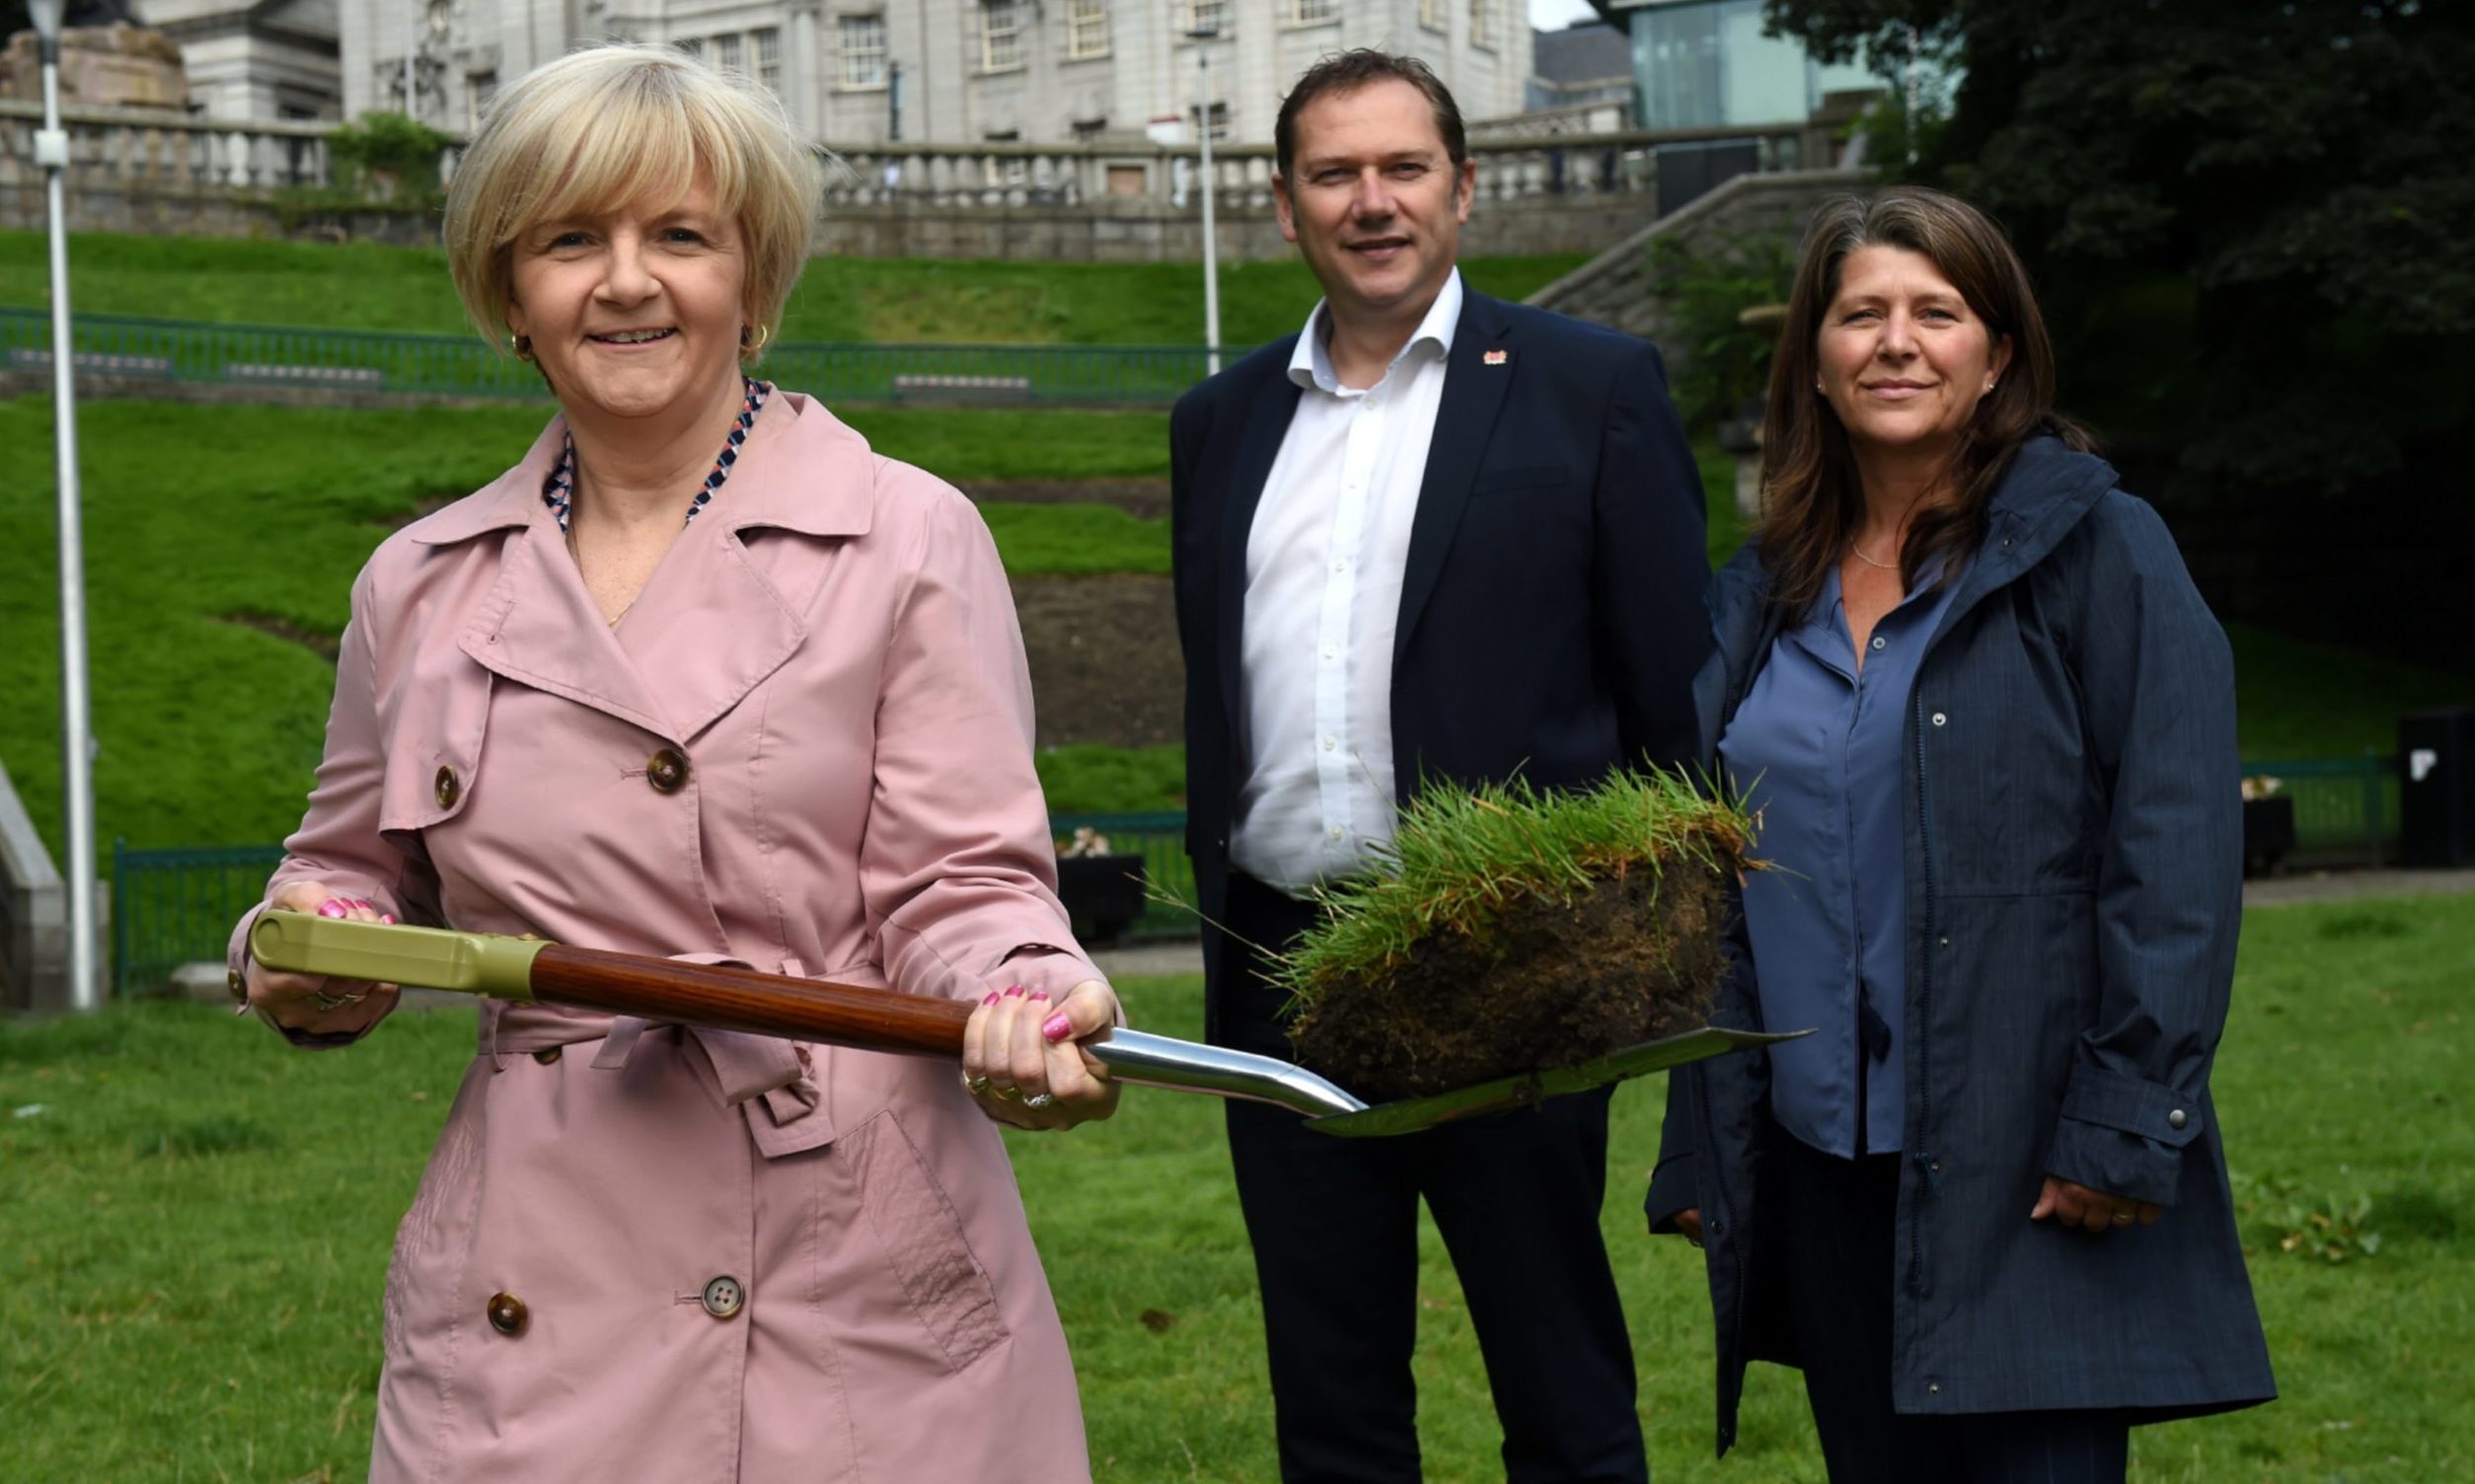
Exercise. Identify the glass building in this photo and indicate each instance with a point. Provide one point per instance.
(1706, 64)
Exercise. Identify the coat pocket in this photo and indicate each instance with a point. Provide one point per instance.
(435, 724)
(923, 1240)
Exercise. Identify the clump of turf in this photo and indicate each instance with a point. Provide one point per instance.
(1512, 930)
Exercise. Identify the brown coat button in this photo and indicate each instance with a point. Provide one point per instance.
(506, 1313)
(547, 1054)
(725, 1298)
(667, 771)
(449, 788)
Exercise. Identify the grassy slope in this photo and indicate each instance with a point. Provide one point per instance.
(208, 731)
(363, 286)
(196, 1227)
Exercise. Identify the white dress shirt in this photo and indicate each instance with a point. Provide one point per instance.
(1324, 559)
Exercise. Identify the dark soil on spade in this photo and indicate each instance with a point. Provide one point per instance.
(1637, 959)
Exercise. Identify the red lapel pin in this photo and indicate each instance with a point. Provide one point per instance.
(1496, 357)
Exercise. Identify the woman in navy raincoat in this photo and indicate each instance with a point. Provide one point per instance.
(1989, 725)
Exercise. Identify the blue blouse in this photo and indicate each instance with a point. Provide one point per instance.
(1816, 750)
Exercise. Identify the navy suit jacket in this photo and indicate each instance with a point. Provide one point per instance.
(1551, 617)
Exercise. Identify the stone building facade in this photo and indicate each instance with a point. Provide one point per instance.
(865, 72)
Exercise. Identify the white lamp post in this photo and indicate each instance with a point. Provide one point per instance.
(1203, 36)
(77, 783)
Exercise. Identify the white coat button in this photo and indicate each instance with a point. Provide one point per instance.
(2177, 1119)
(1940, 719)
(724, 1297)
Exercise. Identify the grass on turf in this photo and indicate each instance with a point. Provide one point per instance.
(195, 1224)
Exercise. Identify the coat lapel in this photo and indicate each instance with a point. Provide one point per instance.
(709, 626)
(1476, 377)
(1267, 423)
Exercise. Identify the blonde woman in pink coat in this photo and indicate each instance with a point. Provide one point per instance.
(701, 676)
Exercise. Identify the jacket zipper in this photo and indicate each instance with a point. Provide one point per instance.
(1922, 1033)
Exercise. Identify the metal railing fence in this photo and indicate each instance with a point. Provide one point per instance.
(178, 906)
(140, 350)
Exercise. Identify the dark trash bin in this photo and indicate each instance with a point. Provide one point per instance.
(2436, 788)
(1102, 894)
(2267, 834)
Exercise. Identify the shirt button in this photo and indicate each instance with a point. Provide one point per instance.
(2177, 1119)
(447, 789)
(1337, 832)
(1329, 653)
(725, 1298)
(1330, 742)
(1340, 567)
(667, 771)
(506, 1313)
(1879, 641)
(1940, 719)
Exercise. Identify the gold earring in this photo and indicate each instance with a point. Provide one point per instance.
(754, 345)
(520, 347)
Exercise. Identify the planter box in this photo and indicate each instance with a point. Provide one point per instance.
(1102, 894)
(2267, 834)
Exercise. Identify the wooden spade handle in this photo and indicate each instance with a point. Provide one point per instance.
(773, 1005)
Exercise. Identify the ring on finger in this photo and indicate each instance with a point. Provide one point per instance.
(1040, 1100)
(1003, 1091)
(974, 1083)
(327, 1001)
(2122, 1219)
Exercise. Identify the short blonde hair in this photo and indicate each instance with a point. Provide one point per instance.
(610, 125)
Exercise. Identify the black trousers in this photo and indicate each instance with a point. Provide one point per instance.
(1334, 1227)
(1836, 1221)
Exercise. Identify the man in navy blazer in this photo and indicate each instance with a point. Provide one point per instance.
(1433, 539)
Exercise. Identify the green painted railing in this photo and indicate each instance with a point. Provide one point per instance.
(2345, 809)
(139, 351)
(177, 907)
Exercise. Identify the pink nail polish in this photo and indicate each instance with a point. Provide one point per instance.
(1014, 992)
(1040, 994)
(333, 906)
(365, 903)
(387, 917)
(992, 997)
(1057, 1028)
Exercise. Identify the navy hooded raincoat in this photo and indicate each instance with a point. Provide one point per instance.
(2074, 889)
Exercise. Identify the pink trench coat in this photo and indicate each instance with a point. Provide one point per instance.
(831, 648)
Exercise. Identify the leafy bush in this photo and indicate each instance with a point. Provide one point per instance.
(1725, 362)
(386, 157)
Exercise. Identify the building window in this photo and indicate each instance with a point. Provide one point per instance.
(694, 46)
(727, 52)
(478, 88)
(1086, 30)
(1001, 35)
(863, 52)
(1088, 131)
(1220, 121)
(769, 58)
(1431, 15)
(1208, 15)
(1481, 23)
(1309, 12)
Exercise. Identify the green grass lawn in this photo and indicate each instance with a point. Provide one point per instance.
(196, 1225)
(365, 286)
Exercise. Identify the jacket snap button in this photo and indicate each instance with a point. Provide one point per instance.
(448, 788)
(1933, 1388)
(667, 771)
(547, 1055)
(2177, 1119)
(506, 1313)
(724, 1297)
(1940, 719)
(1946, 942)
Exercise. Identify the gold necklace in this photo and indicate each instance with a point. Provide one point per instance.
(1858, 553)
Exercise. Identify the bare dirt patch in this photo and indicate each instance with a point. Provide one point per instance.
(1104, 660)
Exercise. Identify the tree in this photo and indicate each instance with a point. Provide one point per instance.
(2250, 221)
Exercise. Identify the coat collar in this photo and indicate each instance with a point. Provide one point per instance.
(710, 623)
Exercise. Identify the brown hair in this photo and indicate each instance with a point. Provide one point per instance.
(1347, 72)
(1812, 501)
